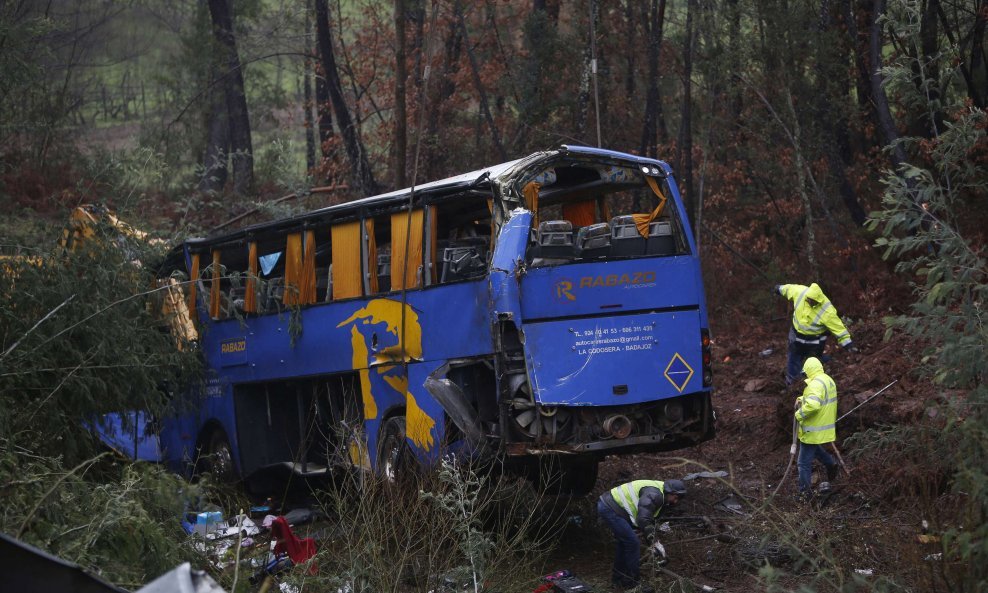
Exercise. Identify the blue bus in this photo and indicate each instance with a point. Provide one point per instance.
(544, 311)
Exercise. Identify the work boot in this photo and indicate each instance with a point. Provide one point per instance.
(832, 472)
(824, 487)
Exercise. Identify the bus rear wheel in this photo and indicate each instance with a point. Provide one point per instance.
(395, 461)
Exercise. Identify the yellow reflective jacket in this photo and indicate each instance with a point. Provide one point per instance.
(641, 510)
(814, 321)
(817, 412)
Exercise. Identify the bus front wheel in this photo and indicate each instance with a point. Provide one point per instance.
(218, 458)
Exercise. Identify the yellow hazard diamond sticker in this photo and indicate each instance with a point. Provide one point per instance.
(678, 372)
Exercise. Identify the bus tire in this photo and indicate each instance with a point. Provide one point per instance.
(394, 459)
(580, 478)
(570, 478)
(217, 457)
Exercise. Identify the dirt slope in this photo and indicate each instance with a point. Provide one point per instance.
(874, 530)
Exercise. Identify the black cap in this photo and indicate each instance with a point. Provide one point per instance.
(675, 487)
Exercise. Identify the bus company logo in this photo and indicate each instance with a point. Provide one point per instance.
(563, 290)
(234, 346)
(612, 280)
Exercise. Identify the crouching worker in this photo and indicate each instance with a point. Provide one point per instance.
(630, 511)
(816, 413)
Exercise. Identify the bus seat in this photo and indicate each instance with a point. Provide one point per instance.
(237, 298)
(464, 258)
(625, 238)
(660, 241)
(555, 239)
(594, 240)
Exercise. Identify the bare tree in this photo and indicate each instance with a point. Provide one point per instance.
(238, 139)
(361, 173)
(654, 130)
(401, 118)
(479, 84)
(685, 130)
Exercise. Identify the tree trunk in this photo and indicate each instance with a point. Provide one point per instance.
(401, 118)
(685, 130)
(241, 151)
(654, 130)
(452, 49)
(478, 84)
(923, 123)
(363, 177)
(830, 63)
(972, 68)
(310, 132)
(532, 107)
(885, 122)
(214, 162)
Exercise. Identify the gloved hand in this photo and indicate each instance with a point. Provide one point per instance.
(658, 552)
(852, 348)
(799, 403)
(776, 290)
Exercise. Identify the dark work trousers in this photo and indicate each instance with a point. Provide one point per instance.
(625, 572)
(799, 352)
(807, 453)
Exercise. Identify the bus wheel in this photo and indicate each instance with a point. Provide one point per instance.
(394, 459)
(580, 478)
(218, 458)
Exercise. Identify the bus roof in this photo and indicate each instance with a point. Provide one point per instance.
(463, 181)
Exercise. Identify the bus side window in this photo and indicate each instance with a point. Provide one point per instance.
(465, 224)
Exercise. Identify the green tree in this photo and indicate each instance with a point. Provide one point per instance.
(922, 225)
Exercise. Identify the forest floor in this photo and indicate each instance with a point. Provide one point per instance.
(867, 526)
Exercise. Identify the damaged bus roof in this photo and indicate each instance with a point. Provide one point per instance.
(479, 180)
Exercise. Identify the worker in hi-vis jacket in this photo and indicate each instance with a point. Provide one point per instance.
(630, 511)
(812, 317)
(816, 414)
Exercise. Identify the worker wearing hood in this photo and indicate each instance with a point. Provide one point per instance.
(816, 414)
(813, 317)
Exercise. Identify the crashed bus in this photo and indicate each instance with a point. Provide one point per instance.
(545, 312)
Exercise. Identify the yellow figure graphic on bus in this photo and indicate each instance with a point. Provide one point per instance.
(385, 355)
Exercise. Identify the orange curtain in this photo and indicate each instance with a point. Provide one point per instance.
(293, 269)
(307, 287)
(581, 213)
(347, 274)
(531, 193)
(214, 289)
(250, 298)
(404, 270)
(193, 282)
(643, 220)
(490, 208)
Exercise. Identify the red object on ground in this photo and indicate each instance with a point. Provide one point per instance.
(299, 550)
